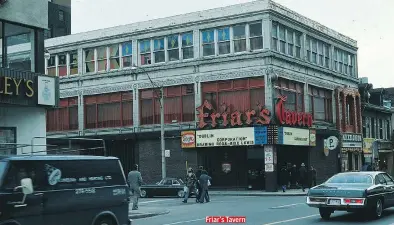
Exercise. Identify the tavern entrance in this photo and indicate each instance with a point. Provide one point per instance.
(230, 175)
(292, 155)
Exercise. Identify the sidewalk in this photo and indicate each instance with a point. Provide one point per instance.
(146, 211)
(291, 192)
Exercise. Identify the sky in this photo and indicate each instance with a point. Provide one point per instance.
(369, 22)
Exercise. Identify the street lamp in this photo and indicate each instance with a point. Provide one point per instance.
(163, 145)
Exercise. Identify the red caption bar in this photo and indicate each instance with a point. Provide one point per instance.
(225, 219)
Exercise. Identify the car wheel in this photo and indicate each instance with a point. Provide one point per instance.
(378, 209)
(181, 194)
(143, 194)
(105, 221)
(325, 213)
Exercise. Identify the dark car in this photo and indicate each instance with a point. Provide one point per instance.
(45, 189)
(365, 192)
(165, 187)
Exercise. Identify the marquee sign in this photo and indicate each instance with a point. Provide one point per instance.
(207, 115)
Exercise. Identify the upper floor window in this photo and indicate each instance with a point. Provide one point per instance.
(294, 92)
(388, 129)
(285, 40)
(317, 52)
(232, 39)
(61, 15)
(62, 64)
(166, 49)
(106, 58)
(320, 103)
(344, 62)
(364, 123)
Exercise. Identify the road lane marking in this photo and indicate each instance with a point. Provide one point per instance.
(284, 206)
(153, 201)
(186, 221)
(290, 220)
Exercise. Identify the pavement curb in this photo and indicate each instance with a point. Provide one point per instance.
(256, 194)
(146, 215)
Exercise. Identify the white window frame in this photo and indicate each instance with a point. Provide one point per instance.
(114, 57)
(289, 33)
(282, 40)
(63, 65)
(160, 50)
(182, 48)
(249, 37)
(326, 50)
(216, 51)
(105, 59)
(233, 39)
(124, 56)
(314, 52)
(297, 46)
(94, 61)
(225, 41)
(51, 67)
(275, 38)
(150, 52)
(70, 64)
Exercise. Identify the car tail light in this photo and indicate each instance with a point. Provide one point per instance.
(354, 201)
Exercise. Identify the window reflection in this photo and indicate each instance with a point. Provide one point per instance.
(18, 43)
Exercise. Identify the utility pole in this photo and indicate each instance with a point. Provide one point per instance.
(163, 143)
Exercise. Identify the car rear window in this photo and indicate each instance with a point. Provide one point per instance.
(351, 179)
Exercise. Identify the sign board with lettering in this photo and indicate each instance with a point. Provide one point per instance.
(46, 90)
(188, 139)
(293, 136)
(225, 137)
(331, 143)
(368, 145)
(352, 142)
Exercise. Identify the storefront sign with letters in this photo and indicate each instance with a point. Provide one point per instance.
(293, 136)
(188, 139)
(14, 87)
(352, 142)
(225, 137)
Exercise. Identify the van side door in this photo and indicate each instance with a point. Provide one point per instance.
(29, 211)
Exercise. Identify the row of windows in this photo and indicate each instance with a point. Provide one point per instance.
(376, 128)
(116, 109)
(214, 42)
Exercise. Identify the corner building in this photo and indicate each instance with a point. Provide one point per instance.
(25, 90)
(246, 92)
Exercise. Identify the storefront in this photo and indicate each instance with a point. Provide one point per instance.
(351, 151)
(385, 149)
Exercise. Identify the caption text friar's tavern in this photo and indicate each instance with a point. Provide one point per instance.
(245, 93)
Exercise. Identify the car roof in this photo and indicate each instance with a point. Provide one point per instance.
(372, 173)
(55, 157)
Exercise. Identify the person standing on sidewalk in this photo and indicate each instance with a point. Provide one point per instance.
(313, 176)
(198, 174)
(190, 182)
(135, 181)
(303, 176)
(204, 180)
(284, 178)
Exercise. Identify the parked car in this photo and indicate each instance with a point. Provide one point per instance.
(37, 190)
(365, 192)
(165, 187)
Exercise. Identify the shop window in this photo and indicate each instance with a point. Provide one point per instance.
(179, 105)
(108, 110)
(65, 117)
(320, 103)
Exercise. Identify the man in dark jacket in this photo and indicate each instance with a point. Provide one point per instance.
(190, 182)
(198, 174)
(284, 178)
(204, 179)
(303, 176)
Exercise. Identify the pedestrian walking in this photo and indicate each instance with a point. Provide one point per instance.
(198, 174)
(284, 178)
(190, 183)
(313, 176)
(135, 181)
(209, 184)
(204, 183)
(294, 176)
(303, 176)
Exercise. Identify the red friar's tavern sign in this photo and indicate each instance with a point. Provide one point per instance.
(207, 115)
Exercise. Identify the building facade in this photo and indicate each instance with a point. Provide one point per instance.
(377, 127)
(244, 92)
(25, 90)
(59, 18)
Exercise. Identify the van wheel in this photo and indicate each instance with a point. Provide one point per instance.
(105, 221)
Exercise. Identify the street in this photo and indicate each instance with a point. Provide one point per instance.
(257, 210)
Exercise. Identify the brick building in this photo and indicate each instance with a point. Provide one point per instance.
(246, 92)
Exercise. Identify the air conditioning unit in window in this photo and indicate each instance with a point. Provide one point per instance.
(363, 80)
